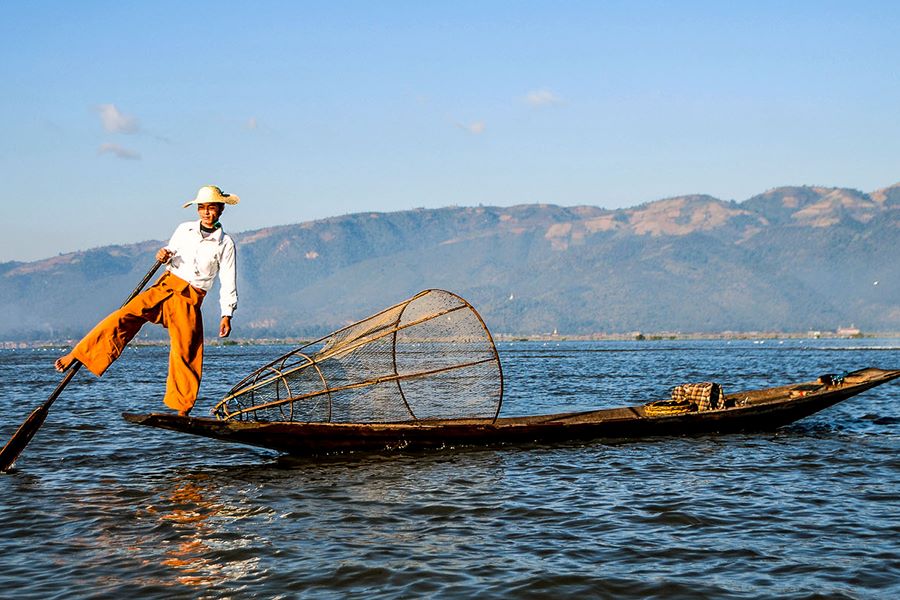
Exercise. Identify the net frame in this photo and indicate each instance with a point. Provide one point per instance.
(343, 342)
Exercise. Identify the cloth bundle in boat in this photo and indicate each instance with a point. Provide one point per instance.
(706, 395)
(428, 357)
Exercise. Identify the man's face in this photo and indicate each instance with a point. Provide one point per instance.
(209, 213)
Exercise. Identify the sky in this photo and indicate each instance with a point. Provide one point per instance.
(113, 114)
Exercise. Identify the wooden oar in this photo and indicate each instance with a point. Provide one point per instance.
(26, 430)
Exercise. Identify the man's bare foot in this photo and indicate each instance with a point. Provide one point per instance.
(63, 363)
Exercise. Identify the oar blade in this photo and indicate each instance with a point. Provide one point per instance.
(22, 436)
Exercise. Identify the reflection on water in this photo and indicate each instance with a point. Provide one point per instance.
(102, 508)
(189, 508)
(200, 549)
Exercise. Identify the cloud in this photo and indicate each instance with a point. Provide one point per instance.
(476, 128)
(118, 151)
(114, 121)
(541, 98)
(252, 123)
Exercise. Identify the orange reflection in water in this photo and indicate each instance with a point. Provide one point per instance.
(191, 507)
(194, 509)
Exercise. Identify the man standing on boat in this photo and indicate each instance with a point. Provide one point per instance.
(197, 253)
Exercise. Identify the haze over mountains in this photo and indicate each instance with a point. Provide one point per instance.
(790, 259)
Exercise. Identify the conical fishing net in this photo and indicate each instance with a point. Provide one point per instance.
(429, 357)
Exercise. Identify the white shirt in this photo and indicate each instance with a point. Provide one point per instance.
(199, 259)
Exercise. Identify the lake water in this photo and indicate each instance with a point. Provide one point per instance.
(97, 507)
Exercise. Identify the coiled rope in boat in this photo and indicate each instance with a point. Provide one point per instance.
(669, 407)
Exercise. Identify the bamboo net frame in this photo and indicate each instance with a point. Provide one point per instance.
(428, 357)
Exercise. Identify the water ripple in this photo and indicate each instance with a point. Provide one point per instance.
(100, 508)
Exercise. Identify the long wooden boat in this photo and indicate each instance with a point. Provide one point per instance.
(755, 410)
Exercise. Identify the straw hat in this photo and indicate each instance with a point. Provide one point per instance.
(210, 193)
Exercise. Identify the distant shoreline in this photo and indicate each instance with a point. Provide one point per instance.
(725, 335)
(509, 337)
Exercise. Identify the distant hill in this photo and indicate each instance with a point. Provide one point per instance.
(790, 259)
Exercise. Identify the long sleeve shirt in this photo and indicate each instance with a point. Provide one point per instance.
(199, 259)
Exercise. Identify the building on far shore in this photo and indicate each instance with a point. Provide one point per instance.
(848, 331)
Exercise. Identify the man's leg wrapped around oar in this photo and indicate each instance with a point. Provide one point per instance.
(174, 304)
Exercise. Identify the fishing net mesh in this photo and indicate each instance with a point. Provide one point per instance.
(429, 357)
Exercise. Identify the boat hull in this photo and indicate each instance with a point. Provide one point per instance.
(756, 410)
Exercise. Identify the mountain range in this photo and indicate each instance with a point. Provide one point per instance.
(790, 259)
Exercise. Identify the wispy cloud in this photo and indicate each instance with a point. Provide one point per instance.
(118, 151)
(541, 98)
(115, 121)
(476, 128)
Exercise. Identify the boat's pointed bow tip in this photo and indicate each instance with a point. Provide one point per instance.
(143, 418)
(133, 417)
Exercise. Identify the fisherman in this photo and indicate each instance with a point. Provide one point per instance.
(197, 252)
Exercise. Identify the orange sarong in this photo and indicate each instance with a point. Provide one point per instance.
(171, 302)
